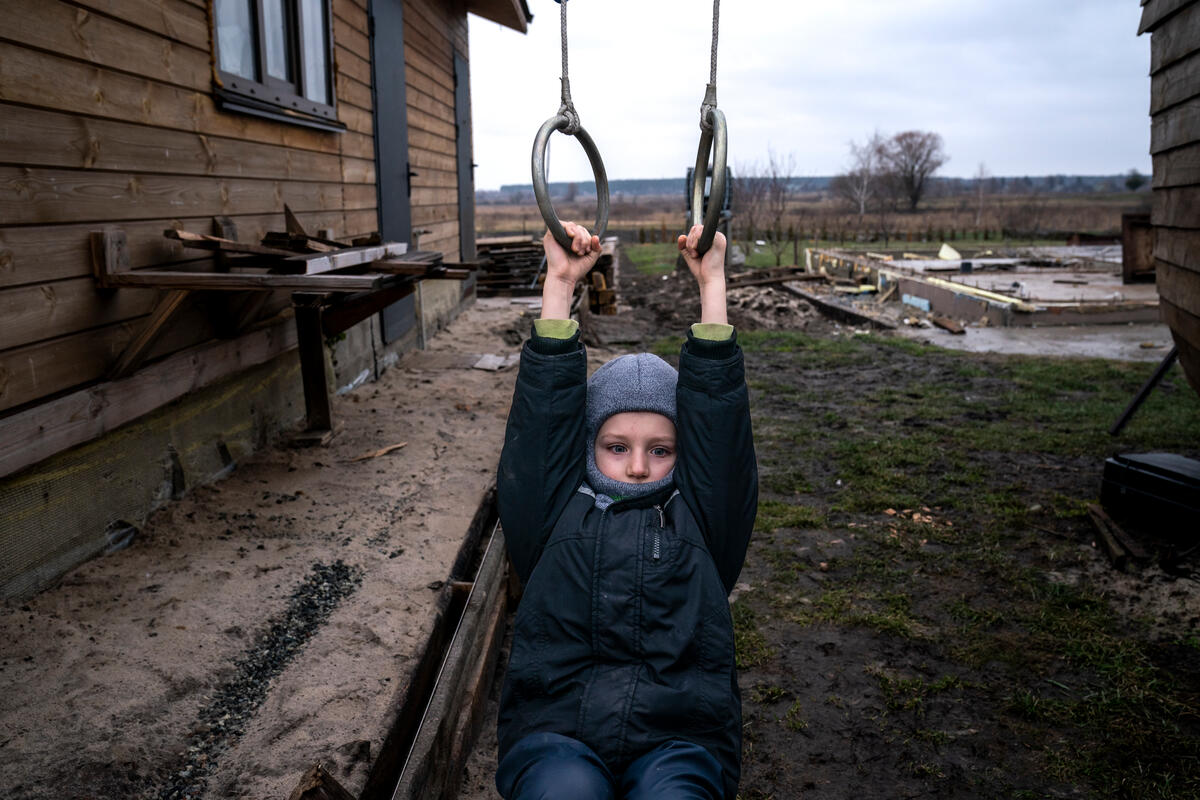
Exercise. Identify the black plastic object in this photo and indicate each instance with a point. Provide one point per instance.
(1158, 491)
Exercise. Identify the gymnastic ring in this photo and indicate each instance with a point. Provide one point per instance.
(541, 191)
(717, 140)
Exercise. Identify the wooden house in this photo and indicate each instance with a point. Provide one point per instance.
(1174, 26)
(203, 116)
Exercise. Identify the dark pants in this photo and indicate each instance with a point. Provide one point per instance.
(547, 766)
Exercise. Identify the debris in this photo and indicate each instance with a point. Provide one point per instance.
(948, 324)
(383, 451)
(318, 784)
(948, 253)
(887, 294)
(494, 363)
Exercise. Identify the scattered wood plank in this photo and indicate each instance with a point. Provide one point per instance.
(317, 263)
(838, 311)
(383, 451)
(1126, 543)
(947, 324)
(204, 241)
(1117, 554)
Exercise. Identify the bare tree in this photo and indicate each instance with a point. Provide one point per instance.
(749, 199)
(778, 178)
(885, 201)
(981, 181)
(913, 156)
(857, 185)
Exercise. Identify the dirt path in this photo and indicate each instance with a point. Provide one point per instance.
(268, 621)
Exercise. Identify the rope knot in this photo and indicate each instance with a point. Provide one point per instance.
(707, 107)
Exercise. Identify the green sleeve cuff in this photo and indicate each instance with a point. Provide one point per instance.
(555, 328)
(712, 331)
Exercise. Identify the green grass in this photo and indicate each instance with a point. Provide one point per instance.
(652, 259)
(774, 514)
(968, 436)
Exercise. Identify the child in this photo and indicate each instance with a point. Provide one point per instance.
(627, 502)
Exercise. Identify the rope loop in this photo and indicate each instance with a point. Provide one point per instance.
(567, 109)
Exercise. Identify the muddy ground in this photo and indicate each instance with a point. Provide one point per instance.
(924, 611)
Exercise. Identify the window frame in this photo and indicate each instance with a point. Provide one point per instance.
(271, 97)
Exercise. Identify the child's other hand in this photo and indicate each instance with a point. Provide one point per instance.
(571, 266)
(710, 267)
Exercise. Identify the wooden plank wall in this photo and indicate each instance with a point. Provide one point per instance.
(107, 117)
(433, 32)
(1175, 148)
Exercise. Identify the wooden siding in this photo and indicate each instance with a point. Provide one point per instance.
(433, 33)
(1174, 26)
(107, 117)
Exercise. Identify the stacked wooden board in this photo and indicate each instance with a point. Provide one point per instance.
(509, 265)
(1175, 146)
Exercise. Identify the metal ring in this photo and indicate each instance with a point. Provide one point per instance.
(541, 190)
(717, 140)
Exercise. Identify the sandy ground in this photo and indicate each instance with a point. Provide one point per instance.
(269, 621)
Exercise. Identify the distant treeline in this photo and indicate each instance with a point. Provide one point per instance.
(658, 187)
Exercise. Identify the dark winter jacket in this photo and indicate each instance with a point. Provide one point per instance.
(623, 638)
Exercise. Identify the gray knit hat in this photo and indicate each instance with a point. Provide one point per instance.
(640, 382)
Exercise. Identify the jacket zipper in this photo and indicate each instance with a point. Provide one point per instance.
(656, 551)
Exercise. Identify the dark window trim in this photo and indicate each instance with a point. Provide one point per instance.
(273, 98)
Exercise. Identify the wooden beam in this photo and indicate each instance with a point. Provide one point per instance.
(135, 352)
(419, 270)
(316, 263)
(241, 281)
(49, 428)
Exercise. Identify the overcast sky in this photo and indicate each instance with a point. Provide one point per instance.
(1029, 87)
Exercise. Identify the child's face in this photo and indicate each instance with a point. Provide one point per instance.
(636, 447)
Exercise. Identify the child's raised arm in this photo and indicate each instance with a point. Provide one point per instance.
(709, 271)
(564, 269)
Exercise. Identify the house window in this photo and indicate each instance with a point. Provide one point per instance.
(274, 59)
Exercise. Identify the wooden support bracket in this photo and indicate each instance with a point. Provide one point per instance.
(110, 261)
(139, 346)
